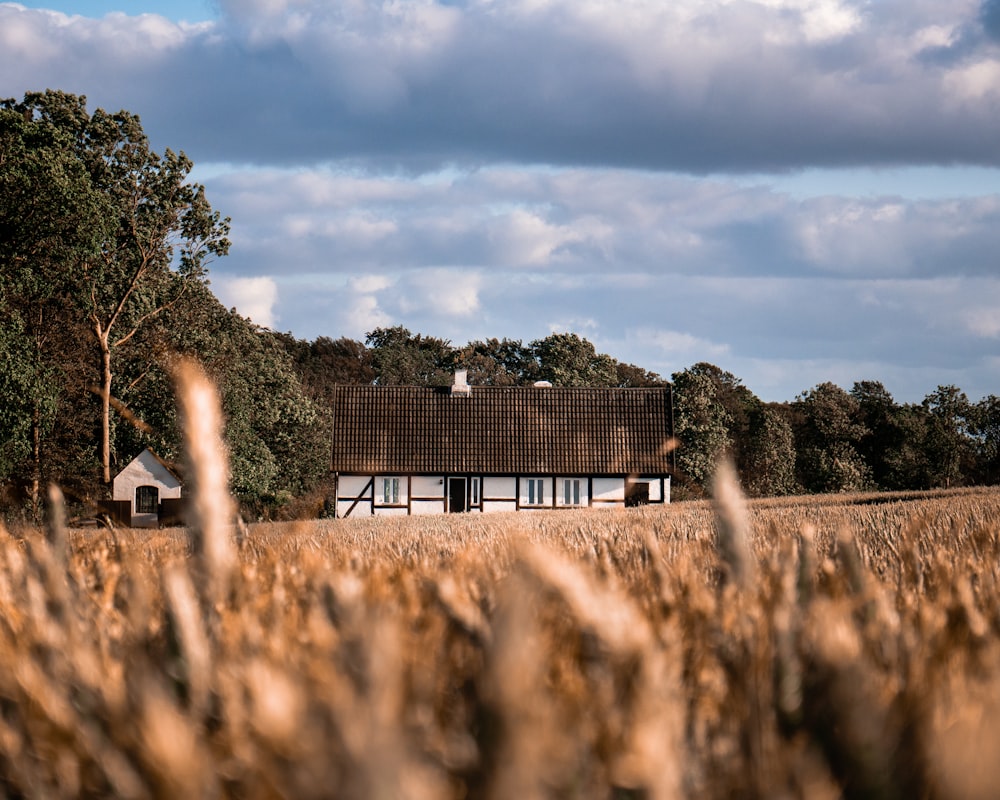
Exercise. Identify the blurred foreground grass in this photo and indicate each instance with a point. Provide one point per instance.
(807, 648)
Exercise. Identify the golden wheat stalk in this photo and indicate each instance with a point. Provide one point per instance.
(55, 525)
(734, 532)
(211, 508)
(186, 621)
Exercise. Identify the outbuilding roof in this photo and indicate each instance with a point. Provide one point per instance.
(505, 430)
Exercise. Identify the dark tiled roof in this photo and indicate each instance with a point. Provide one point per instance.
(501, 430)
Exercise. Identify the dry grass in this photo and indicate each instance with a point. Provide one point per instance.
(546, 655)
(794, 649)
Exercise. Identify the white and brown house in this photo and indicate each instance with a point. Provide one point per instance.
(147, 493)
(419, 450)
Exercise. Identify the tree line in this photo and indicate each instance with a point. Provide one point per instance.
(104, 254)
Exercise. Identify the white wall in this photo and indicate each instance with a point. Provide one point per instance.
(350, 486)
(609, 489)
(490, 506)
(499, 488)
(390, 512)
(362, 509)
(423, 486)
(427, 506)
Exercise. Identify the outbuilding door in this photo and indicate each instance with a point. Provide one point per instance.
(637, 494)
(456, 495)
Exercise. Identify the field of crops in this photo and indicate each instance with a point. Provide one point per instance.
(798, 649)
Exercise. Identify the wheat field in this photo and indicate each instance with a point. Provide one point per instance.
(808, 647)
(800, 649)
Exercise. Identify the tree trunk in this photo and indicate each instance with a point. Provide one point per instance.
(36, 462)
(102, 338)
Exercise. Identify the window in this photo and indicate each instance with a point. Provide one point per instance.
(147, 498)
(390, 491)
(536, 491)
(571, 492)
(474, 491)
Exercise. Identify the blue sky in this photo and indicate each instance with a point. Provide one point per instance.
(177, 10)
(795, 190)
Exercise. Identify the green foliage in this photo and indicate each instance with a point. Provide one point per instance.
(987, 432)
(106, 243)
(324, 363)
(827, 438)
(276, 435)
(147, 232)
(564, 359)
(701, 424)
(400, 358)
(768, 463)
(949, 445)
(19, 386)
(498, 362)
(633, 376)
(52, 220)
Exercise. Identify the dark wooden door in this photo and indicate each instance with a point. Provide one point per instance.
(456, 495)
(637, 494)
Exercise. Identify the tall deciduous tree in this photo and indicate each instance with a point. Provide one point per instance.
(701, 424)
(949, 444)
(498, 362)
(987, 431)
(828, 435)
(893, 445)
(565, 359)
(51, 221)
(400, 358)
(158, 230)
(768, 462)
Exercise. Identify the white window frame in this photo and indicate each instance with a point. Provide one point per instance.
(536, 492)
(571, 491)
(390, 491)
(474, 497)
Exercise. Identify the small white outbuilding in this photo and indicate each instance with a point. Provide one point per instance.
(145, 482)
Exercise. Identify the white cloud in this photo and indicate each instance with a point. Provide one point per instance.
(528, 239)
(251, 297)
(678, 344)
(361, 313)
(370, 284)
(975, 82)
(442, 292)
(583, 326)
(984, 322)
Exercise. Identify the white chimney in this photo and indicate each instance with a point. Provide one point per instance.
(461, 384)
